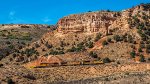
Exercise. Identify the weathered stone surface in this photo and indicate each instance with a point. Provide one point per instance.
(101, 21)
(88, 22)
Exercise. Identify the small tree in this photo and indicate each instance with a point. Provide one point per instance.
(104, 43)
(93, 54)
(106, 60)
(48, 45)
(132, 54)
(90, 45)
(37, 45)
(116, 38)
(142, 58)
(140, 50)
(98, 36)
(10, 81)
(109, 39)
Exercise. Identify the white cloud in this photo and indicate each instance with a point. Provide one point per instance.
(46, 19)
(12, 15)
(14, 19)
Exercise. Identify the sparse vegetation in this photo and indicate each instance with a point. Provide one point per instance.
(98, 36)
(106, 60)
(93, 54)
(104, 43)
(142, 58)
(132, 54)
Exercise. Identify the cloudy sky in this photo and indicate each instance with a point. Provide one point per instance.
(50, 11)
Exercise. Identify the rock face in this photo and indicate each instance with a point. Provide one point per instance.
(88, 22)
(102, 21)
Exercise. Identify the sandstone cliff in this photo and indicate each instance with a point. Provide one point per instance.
(100, 21)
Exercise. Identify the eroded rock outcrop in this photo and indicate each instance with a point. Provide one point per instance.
(102, 21)
(88, 22)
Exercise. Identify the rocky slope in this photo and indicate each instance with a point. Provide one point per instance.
(16, 36)
(119, 38)
(116, 35)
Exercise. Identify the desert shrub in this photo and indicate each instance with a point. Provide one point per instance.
(28, 76)
(10, 36)
(10, 81)
(98, 36)
(108, 39)
(43, 49)
(30, 52)
(148, 59)
(90, 45)
(1, 56)
(144, 37)
(141, 26)
(130, 39)
(24, 26)
(62, 44)
(52, 52)
(37, 45)
(132, 46)
(142, 58)
(116, 38)
(28, 38)
(11, 46)
(118, 62)
(23, 43)
(132, 54)
(8, 42)
(142, 45)
(77, 49)
(14, 55)
(48, 45)
(136, 20)
(140, 50)
(93, 54)
(1, 65)
(46, 54)
(148, 48)
(89, 39)
(61, 52)
(106, 60)
(80, 48)
(20, 47)
(104, 43)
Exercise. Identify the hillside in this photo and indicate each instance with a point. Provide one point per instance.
(14, 37)
(101, 46)
(120, 36)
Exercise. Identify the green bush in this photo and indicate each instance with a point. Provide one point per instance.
(48, 45)
(1, 65)
(130, 39)
(37, 45)
(108, 39)
(10, 81)
(132, 54)
(140, 50)
(116, 38)
(142, 58)
(30, 52)
(106, 60)
(28, 38)
(148, 48)
(90, 45)
(98, 36)
(104, 43)
(93, 54)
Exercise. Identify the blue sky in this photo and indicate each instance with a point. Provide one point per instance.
(50, 11)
